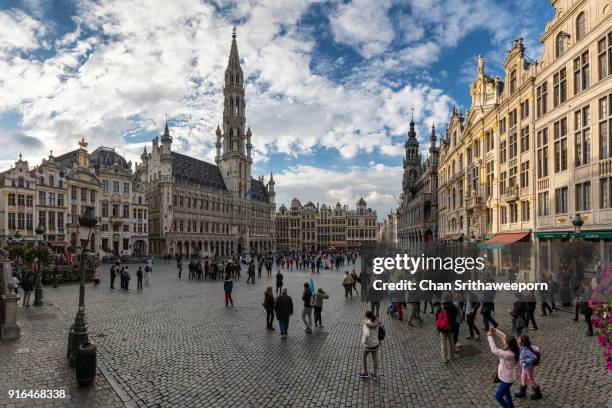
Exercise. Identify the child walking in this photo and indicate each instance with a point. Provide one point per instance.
(528, 358)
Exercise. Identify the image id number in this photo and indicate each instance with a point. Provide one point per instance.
(37, 394)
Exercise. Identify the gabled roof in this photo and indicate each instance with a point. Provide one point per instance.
(258, 191)
(190, 170)
(107, 157)
(66, 159)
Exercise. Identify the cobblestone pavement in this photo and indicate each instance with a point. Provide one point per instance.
(36, 361)
(175, 344)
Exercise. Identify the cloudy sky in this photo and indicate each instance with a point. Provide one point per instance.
(330, 84)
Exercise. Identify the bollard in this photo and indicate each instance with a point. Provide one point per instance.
(86, 364)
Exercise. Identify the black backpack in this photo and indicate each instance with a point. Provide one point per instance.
(381, 332)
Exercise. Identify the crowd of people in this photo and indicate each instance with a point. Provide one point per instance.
(513, 348)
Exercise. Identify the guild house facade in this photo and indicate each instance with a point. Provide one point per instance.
(320, 227)
(535, 148)
(200, 208)
(56, 192)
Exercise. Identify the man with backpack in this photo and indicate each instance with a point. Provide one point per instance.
(446, 316)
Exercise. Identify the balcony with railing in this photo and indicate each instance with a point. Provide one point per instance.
(511, 194)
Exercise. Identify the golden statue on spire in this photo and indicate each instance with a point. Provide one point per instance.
(83, 143)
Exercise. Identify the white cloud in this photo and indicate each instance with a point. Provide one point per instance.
(363, 24)
(19, 31)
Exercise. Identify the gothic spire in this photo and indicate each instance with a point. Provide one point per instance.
(433, 133)
(234, 59)
(166, 136)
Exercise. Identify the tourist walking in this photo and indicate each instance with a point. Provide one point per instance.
(355, 279)
(445, 316)
(415, 313)
(370, 343)
(307, 311)
(347, 282)
(529, 358)
(318, 306)
(139, 276)
(284, 309)
(587, 310)
(147, 274)
(471, 317)
(487, 309)
(113, 275)
(126, 277)
(518, 313)
(508, 360)
(27, 284)
(279, 281)
(531, 305)
(268, 304)
(228, 286)
(179, 266)
(96, 274)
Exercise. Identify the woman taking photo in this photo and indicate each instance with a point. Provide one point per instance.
(508, 360)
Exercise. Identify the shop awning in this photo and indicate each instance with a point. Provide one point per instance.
(501, 240)
(551, 235)
(57, 243)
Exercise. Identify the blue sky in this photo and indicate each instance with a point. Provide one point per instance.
(330, 84)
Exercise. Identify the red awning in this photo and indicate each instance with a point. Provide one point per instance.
(503, 239)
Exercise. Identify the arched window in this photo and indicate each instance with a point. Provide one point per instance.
(559, 45)
(454, 198)
(236, 104)
(580, 26)
(51, 181)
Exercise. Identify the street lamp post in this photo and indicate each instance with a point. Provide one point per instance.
(38, 289)
(79, 333)
(17, 240)
(577, 223)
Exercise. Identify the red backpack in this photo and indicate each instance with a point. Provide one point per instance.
(442, 320)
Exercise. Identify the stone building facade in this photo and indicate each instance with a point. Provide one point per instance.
(573, 127)
(56, 192)
(17, 206)
(320, 227)
(534, 147)
(121, 213)
(387, 230)
(202, 208)
(417, 219)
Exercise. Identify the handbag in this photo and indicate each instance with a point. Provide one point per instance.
(495, 377)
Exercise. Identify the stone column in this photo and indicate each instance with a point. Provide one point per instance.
(10, 328)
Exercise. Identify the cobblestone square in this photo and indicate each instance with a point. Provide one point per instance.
(175, 344)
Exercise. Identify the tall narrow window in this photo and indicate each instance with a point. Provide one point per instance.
(583, 196)
(605, 127)
(559, 87)
(541, 95)
(525, 174)
(582, 120)
(604, 56)
(560, 137)
(580, 26)
(542, 145)
(525, 139)
(560, 45)
(581, 72)
(561, 200)
(513, 81)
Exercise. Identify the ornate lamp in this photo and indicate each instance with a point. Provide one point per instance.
(79, 333)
